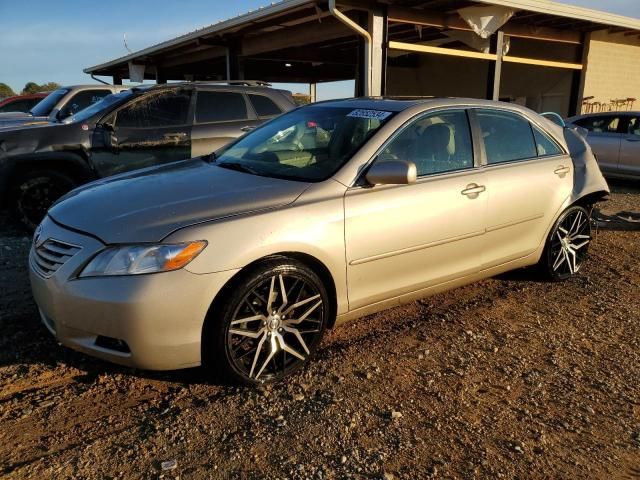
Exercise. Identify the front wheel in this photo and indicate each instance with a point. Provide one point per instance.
(270, 324)
(34, 192)
(567, 245)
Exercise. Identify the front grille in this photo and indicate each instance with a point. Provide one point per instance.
(51, 255)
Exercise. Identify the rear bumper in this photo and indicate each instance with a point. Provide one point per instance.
(150, 322)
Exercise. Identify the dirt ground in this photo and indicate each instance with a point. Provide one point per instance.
(507, 378)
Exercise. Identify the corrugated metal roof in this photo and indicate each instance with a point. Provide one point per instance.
(538, 6)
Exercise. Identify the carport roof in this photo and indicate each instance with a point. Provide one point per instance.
(537, 12)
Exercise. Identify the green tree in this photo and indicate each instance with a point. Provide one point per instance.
(49, 87)
(33, 87)
(5, 91)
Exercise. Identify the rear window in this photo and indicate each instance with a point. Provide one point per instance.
(220, 107)
(545, 146)
(507, 137)
(264, 106)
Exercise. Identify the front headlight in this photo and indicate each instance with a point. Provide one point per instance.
(138, 259)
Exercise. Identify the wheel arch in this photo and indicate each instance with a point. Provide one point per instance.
(317, 266)
(70, 163)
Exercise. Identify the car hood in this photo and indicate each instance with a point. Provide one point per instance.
(21, 119)
(14, 115)
(147, 205)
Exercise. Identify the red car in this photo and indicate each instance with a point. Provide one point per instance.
(21, 103)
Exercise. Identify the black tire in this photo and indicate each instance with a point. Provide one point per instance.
(567, 245)
(231, 355)
(34, 192)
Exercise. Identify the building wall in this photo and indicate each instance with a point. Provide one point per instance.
(613, 67)
(539, 88)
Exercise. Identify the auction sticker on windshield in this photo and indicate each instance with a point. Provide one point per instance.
(362, 113)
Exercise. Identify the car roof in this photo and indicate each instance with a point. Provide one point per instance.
(605, 114)
(398, 104)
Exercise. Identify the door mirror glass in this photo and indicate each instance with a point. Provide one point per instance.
(392, 172)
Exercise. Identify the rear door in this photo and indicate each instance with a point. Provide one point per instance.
(220, 116)
(604, 138)
(529, 176)
(630, 148)
(152, 129)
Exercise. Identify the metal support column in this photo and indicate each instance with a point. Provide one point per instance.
(117, 80)
(495, 68)
(376, 27)
(313, 94)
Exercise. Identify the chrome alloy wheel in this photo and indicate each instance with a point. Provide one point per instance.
(275, 326)
(570, 242)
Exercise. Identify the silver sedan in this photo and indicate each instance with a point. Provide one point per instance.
(241, 259)
(615, 140)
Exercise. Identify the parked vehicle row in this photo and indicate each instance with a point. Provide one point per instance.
(60, 104)
(132, 129)
(241, 259)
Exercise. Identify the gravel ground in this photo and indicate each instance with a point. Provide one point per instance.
(507, 378)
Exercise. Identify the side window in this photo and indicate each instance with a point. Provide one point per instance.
(82, 100)
(17, 106)
(634, 126)
(507, 136)
(545, 146)
(157, 109)
(600, 123)
(264, 106)
(436, 143)
(220, 107)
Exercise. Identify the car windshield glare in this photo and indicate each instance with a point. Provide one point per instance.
(44, 107)
(97, 107)
(309, 144)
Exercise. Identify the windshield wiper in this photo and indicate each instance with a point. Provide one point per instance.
(238, 167)
(210, 157)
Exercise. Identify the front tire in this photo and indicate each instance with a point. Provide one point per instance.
(269, 325)
(567, 245)
(34, 192)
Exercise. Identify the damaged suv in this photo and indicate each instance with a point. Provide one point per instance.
(132, 129)
(241, 260)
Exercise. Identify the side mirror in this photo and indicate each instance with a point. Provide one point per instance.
(392, 172)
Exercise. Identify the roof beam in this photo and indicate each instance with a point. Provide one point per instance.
(455, 22)
(294, 37)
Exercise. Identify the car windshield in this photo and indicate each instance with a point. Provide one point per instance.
(106, 102)
(43, 107)
(309, 144)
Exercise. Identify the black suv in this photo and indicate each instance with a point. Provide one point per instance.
(133, 129)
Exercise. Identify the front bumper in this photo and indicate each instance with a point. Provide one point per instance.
(157, 317)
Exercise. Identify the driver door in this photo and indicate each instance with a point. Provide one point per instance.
(152, 129)
(404, 238)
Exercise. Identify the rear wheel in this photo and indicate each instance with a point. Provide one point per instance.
(567, 245)
(34, 192)
(270, 324)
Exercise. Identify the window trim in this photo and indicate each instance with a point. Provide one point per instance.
(251, 114)
(358, 181)
(527, 119)
(113, 115)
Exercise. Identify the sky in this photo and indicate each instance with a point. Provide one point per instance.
(47, 40)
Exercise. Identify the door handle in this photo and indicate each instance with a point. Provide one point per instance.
(248, 128)
(473, 190)
(561, 171)
(633, 139)
(176, 135)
